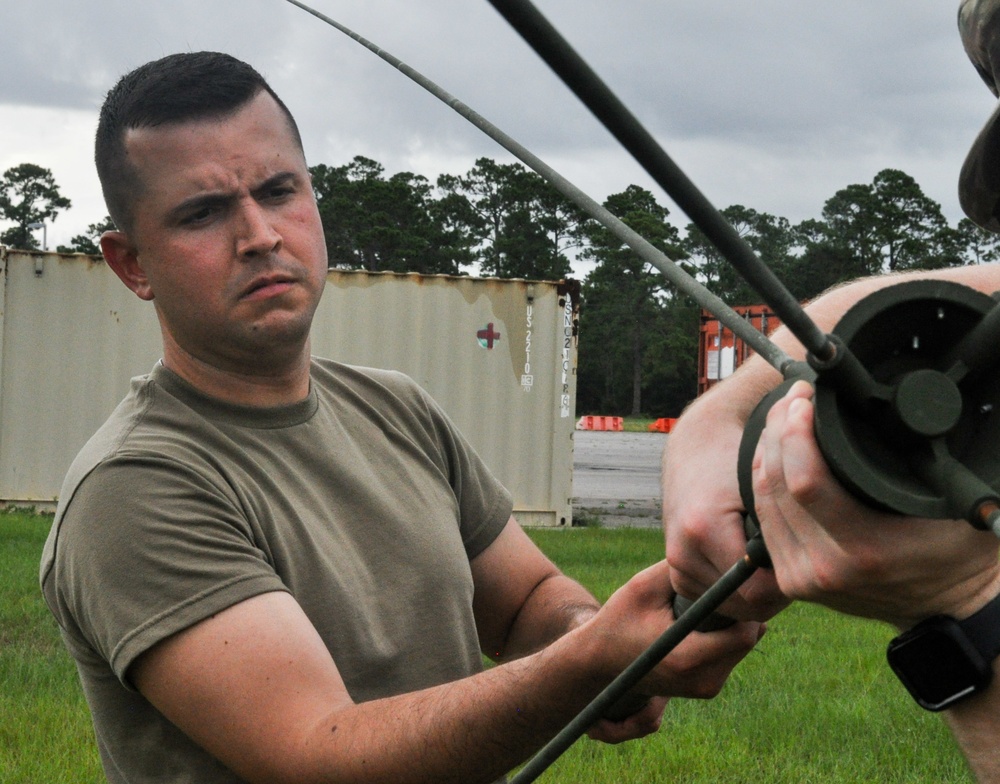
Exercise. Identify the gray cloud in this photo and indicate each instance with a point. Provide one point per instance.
(775, 104)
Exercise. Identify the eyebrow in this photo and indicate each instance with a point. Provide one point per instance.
(281, 178)
(223, 198)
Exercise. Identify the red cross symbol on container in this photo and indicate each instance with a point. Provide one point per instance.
(487, 336)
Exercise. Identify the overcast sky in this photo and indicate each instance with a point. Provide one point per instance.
(773, 104)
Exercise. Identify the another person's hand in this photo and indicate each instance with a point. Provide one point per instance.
(702, 510)
(829, 548)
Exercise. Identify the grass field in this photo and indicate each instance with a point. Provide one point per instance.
(814, 703)
(636, 424)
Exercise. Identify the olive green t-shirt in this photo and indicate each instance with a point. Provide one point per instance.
(363, 502)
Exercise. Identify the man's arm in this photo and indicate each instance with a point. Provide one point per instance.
(256, 687)
(523, 603)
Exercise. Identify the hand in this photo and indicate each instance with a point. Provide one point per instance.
(828, 547)
(636, 615)
(643, 722)
(702, 510)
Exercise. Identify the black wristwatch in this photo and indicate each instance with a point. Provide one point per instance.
(941, 660)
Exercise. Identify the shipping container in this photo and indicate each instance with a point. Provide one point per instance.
(720, 352)
(498, 355)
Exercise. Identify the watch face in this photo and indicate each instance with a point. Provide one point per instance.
(937, 664)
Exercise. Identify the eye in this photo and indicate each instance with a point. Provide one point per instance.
(199, 216)
(280, 192)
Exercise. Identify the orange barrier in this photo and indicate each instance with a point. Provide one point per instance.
(600, 423)
(664, 425)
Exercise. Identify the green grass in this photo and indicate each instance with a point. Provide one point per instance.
(814, 703)
(45, 730)
(636, 424)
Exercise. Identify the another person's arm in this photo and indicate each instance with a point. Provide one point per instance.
(702, 511)
(830, 549)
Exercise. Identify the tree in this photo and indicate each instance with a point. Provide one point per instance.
(889, 225)
(850, 224)
(820, 265)
(670, 366)
(622, 303)
(28, 194)
(520, 226)
(977, 245)
(88, 242)
(770, 237)
(375, 223)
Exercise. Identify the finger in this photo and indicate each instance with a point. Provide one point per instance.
(701, 508)
(804, 471)
(808, 519)
(699, 666)
(702, 548)
(774, 510)
(640, 724)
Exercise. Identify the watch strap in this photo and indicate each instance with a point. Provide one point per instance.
(983, 629)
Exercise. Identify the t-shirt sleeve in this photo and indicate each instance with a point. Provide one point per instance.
(484, 504)
(147, 547)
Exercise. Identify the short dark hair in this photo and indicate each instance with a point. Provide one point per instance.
(173, 89)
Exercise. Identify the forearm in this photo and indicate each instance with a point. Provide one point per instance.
(975, 724)
(477, 729)
(737, 397)
(256, 687)
(473, 730)
(556, 606)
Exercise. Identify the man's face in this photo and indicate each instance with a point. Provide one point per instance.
(227, 238)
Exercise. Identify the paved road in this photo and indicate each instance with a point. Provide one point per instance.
(616, 477)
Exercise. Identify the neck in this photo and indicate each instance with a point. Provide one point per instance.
(261, 385)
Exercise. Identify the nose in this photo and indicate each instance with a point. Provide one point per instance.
(257, 235)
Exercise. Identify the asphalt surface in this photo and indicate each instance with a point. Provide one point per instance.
(616, 477)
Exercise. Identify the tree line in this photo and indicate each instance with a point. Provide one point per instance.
(638, 338)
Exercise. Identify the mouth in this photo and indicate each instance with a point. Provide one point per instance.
(267, 286)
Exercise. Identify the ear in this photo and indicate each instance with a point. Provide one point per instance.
(121, 255)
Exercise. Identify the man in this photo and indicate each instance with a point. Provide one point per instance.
(271, 567)
(826, 546)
